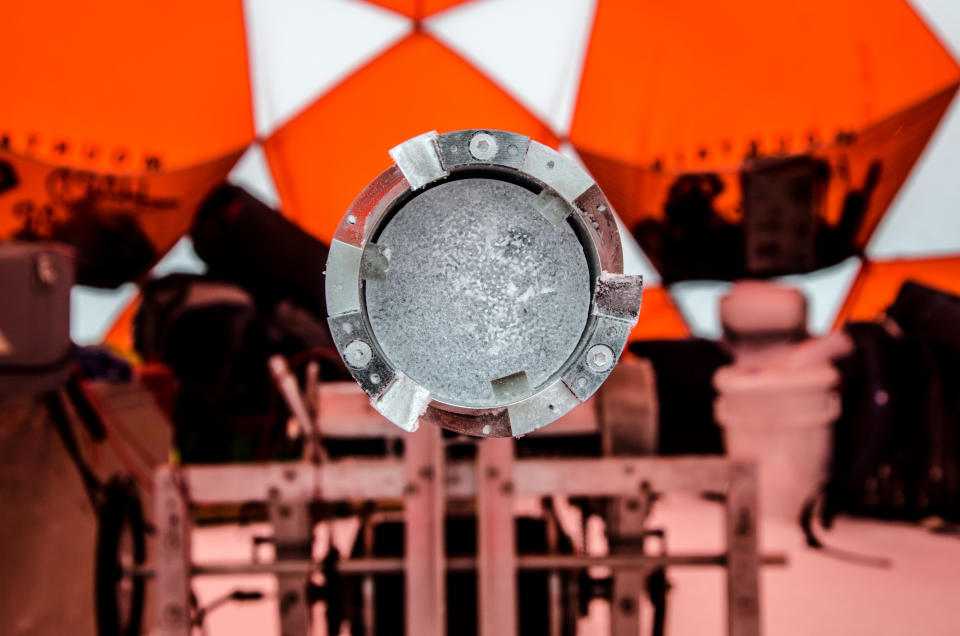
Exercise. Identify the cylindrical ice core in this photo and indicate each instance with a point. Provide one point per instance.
(480, 286)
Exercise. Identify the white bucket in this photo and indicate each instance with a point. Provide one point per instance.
(781, 419)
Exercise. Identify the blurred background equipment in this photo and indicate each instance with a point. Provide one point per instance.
(746, 139)
(35, 348)
(835, 163)
(478, 284)
(778, 399)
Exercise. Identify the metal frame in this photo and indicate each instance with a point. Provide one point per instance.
(566, 193)
(423, 481)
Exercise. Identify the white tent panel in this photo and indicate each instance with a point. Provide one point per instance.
(825, 289)
(299, 49)
(93, 310)
(252, 173)
(699, 303)
(634, 260)
(925, 217)
(533, 49)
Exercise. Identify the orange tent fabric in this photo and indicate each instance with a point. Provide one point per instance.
(92, 210)
(116, 113)
(659, 317)
(124, 86)
(690, 88)
(320, 165)
(693, 84)
(877, 284)
(417, 9)
(163, 106)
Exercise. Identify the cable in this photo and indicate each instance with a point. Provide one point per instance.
(235, 595)
(806, 523)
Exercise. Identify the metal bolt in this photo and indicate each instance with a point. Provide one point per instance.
(483, 147)
(358, 354)
(600, 357)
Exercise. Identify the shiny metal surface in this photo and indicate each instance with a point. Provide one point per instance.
(478, 285)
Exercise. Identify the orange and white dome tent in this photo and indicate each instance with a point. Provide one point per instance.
(115, 121)
(643, 92)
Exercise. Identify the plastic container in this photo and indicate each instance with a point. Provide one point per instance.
(782, 419)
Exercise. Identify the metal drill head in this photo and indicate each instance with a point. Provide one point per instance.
(478, 284)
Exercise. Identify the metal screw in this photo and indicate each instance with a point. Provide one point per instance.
(483, 146)
(600, 357)
(358, 354)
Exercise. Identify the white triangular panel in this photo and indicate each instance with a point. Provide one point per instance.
(92, 311)
(924, 219)
(634, 260)
(252, 173)
(699, 302)
(533, 49)
(300, 48)
(825, 289)
(181, 258)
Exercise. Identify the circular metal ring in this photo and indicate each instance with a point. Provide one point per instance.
(478, 284)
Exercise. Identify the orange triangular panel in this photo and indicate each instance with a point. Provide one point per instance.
(893, 145)
(120, 224)
(120, 334)
(692, 83)
(877, 284)
(659, 317)
(325, 156)
(124, 86)
(417, 9)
